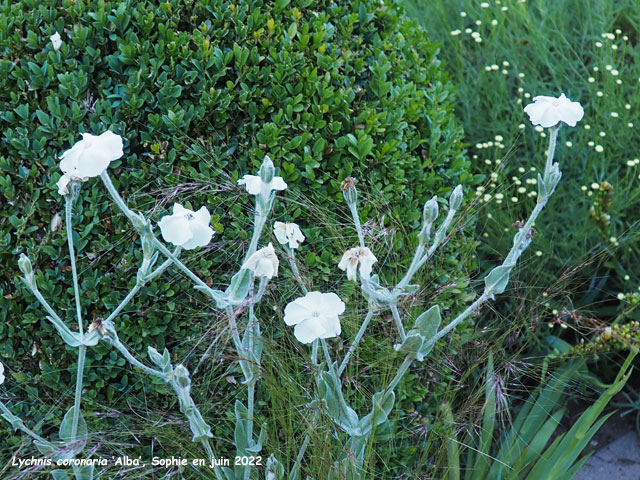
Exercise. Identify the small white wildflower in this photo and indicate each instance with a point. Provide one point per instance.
(354, 256)
(288, 234)
(186, 228)
(263, 263)
(316, 315)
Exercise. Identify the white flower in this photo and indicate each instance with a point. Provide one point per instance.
(56, 41)
(549, 111)
(288, 233)
(186, 228)
(315, 316)
(1, 373)
(352, 257)
(91, 156)
(256, 186)
(63, 184)
(263, 263)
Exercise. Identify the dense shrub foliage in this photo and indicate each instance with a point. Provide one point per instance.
(201, 90)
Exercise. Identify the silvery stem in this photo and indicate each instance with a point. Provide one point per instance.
(314, 352)
(137, 286)
(124, 302)
(291, 257)
(115, 195)
(74, 272)
(166, 264)
(398, 321)
(82, 353)
(252, 385)
(327, 357)
(82, 350)
(167, 253)
(356, 341)
(259, 220)
(356, 220)
(233, 326)
(419, 259)
(468, 311)
(54, 316)
(553, 136)
(20, 425)
(216, 468)
(133, 360)
(399, 374)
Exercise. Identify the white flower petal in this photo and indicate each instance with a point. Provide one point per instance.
(1, 373)
(252, 183)
(277, 183)
(331, 326)
(63, 184)
(178, 209)
(366, 259)
(280, 231)
(203, 216)
(295, 312)
(332, 304)
(91, 156)
(175, 229)
(200, 235)
(549, 111)
(308, 330)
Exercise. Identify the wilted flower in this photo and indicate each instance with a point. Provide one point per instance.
(91, 156)
(263, 263)
(186, 228)
(352, 257)
(56, 41)
(315, 316)
(288, 233)
(1, 373)
(549, 111)
(63, 184)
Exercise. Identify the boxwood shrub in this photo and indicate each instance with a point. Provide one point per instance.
(201, 91)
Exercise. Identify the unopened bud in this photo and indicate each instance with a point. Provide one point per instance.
(267, 170)
(182, 376)
(455, 200)
(139, 222)
(147, 246)
(430, 211)
(26, 268)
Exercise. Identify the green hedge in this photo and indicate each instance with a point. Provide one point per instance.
(201, 91)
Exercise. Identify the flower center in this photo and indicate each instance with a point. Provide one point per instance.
(188, 216)
(315, 314)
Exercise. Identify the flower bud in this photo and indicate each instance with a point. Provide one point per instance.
(147, 246)
(139, 222)
(182, 376)
(26, 268)
(455, 200)
(430, 211)
(267, 170)
(349, 191)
